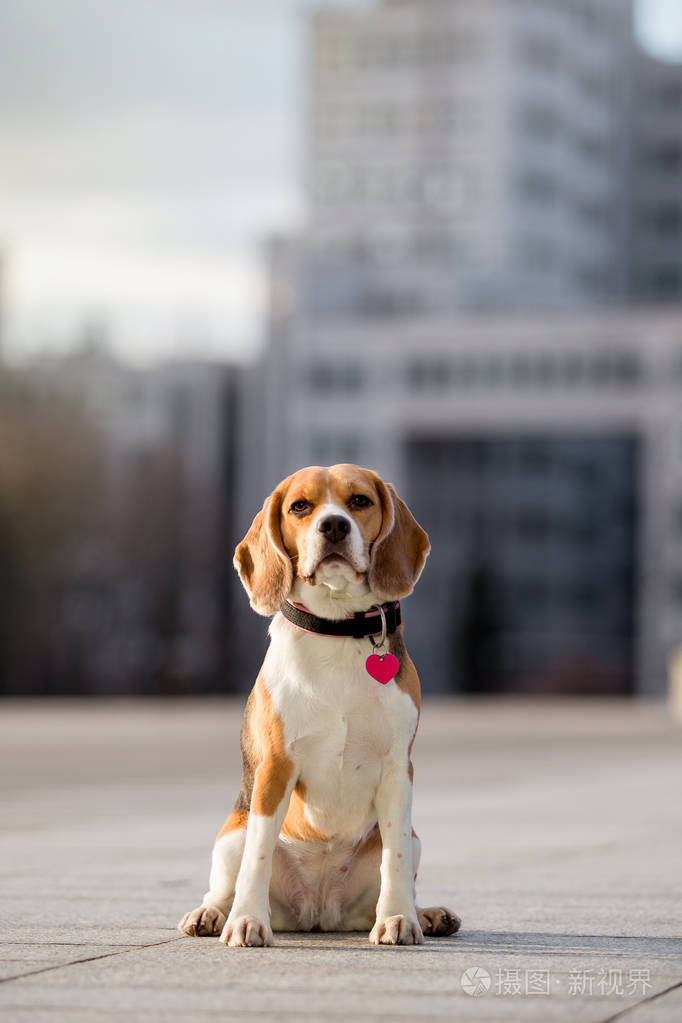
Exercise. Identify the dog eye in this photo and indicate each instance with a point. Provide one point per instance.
(300, 507)
(359, 501)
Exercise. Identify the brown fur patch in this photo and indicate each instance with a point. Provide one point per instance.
(237, 819)
(407, 678)
(276, 766)
(261, 560)
(249, 757)
(400, 550)
(295, 824)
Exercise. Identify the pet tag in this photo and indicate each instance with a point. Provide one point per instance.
(382, 667)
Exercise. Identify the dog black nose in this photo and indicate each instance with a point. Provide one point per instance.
(334, 528)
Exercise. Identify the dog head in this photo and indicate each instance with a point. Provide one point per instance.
(341, 528)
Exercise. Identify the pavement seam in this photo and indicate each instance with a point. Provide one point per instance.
(88, 959)
(644, 1001)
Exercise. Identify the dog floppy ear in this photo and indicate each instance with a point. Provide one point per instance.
(262, 561)
(400, 549)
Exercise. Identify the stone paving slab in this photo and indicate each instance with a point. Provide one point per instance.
(554, 829)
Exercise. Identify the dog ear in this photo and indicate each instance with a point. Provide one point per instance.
(400, 549)
(262, 561)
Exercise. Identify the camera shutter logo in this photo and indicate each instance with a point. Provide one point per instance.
(476, 981)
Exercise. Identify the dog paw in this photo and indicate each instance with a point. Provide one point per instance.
(396, 930)
(246, 930)
(437, 921)
(205, 922)
(202, 922)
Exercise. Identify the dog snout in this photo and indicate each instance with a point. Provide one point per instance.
(334, 528)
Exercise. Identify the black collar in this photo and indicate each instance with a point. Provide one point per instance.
(359, 625)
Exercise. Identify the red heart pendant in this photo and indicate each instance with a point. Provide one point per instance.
(384, 668)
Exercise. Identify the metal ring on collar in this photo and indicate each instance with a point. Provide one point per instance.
(382, 641)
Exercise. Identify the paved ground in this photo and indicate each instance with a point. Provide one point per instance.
(554, 830)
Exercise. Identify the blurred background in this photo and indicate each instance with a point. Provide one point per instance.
(442, 238)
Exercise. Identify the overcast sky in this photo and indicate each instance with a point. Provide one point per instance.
(146, 149)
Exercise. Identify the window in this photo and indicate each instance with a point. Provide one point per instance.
(540, 122)
(593, 86)
(538, 255)
(668, 157)
(331, 51)
(342, 378)
(540, 52)
(592, 148)
(538, 186)
(666, 220)
(428, 374)
(627, 369)
(666, 282)
(669, 95)
(330, 448)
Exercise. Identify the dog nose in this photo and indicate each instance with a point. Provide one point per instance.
(334, 528)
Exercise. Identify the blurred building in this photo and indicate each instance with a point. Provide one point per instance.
(544, 453)
(468, 154)
(3, 271)
(459, 315)
(656, 235)
(138, 590)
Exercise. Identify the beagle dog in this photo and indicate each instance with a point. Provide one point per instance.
(320, 837)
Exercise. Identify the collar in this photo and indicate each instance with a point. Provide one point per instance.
(358, 625)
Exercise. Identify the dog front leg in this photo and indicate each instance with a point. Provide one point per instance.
(249, 919)
(396, 922)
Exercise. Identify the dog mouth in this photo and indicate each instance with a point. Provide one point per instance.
(331, 559)
(334, 570)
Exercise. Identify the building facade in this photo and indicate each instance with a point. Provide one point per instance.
(468, 155)
(543, 450)
(494, 194)
(656, 192)
(143, 597)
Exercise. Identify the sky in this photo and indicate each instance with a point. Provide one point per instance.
(147, 150)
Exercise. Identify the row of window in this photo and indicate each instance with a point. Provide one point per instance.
(446, 186)
(542, 123)
(544, 54)
(664, 219)
(665, 157)
(408, 120)
(551, 596)
(562, 370)
(344, 49)
(601, 461)
(335, 183)
(399, 245)
(464, 372)
(390, 118)
(592, 15)
(336, 51)
(543, 188)
(663, 281)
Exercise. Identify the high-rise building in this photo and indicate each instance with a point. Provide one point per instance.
(656, 239)
(493, 187)
(468, 154)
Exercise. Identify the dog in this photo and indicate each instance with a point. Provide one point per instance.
(320, 837)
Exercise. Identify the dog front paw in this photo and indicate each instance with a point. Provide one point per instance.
(246, 931)
(438, 922)
(396, 930)
(202, 922)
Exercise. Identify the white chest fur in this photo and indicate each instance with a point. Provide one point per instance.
(340, 724)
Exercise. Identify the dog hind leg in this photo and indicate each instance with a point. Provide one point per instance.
(209, 918)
